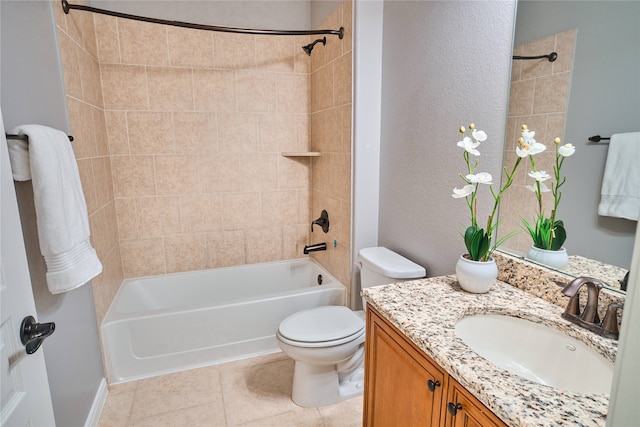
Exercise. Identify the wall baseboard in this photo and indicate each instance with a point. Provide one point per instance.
(98, 403)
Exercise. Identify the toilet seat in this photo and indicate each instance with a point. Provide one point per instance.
(321, 327)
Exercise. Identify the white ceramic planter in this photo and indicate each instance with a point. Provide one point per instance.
(555, 259)
(475, 276)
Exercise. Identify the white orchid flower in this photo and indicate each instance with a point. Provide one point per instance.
(536, 148)
(481, 178)
(479, 135)
(566, 150)
(539, 175)
(534, 188)
(459, 193)
(469, 145)
(528, 136)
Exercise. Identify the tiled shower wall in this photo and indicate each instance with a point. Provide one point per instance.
(331, 67)
(76, 36)
(179, 138)
(196, 125)
(539, 99)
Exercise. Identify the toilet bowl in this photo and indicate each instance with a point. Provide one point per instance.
(327, 343)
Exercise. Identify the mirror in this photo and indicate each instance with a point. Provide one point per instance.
(591, 89)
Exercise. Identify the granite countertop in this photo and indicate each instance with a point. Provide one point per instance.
(426, 311)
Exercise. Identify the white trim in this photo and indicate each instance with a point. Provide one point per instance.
(98, 403)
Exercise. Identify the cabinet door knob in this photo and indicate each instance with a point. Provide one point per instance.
(454, 408)
(433, 384)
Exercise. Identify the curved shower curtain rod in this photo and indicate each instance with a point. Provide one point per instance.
(66, 6)
(551, 57)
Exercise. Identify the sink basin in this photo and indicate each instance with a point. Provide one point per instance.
(537, 352)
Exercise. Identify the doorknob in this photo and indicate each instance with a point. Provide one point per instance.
(33, 333)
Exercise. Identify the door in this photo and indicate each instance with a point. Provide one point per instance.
(26, 399)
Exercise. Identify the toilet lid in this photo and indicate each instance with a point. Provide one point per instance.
(326, 323)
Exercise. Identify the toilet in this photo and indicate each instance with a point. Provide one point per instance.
(327, 342)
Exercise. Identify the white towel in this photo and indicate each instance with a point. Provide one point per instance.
(620, 195)
(61, 211)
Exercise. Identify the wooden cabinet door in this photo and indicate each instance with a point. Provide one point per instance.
(469, 412)
(397, 388)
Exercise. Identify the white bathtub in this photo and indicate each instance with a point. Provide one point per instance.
(163, 324)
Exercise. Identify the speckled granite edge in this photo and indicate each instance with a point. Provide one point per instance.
(427, 310)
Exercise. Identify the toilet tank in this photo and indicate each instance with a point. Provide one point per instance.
(380, 266)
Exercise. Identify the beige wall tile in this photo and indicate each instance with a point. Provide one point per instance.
(103, 180)
(539, 67)
(345, 129)
(124, 87)
(150, 132)
(302, 61)
(143, 43)
(117, 133)
(81, 120)
(293, 94)
(85, 169)
(234, 51)
(293, 172)
(196, 133)
(237, 132)
(107, 39)
(294, 238)
(551, 93)
(565, 44)
(322, 83)
(158, 216)
(319, 131)
(521, 99)
(100, 129)
(334, 46)
(347, 19)
(192, 48)
(170, 89)
(226, 249)
(246, 203)
(278, 133)
(333, 130)
(126, 218)
(342, 80)
(133, 176)
(176, 174)
(555, 128)
(220, 173)
(201, 213)
(214, 90)
(275, 53)
(281, 207)
(260, 171)
(70, 65)
(90, 79)
(98, 222)
(516, 66)
(256, 91)
(185, 253)
(263, 245)
(142, 257)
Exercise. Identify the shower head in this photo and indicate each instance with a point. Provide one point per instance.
(308, 48)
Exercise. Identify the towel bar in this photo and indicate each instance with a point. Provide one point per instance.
(25, 137)
(598, 138)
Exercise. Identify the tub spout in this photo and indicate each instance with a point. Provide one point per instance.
(314, 248)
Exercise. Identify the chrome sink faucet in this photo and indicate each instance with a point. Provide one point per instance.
(589, 318)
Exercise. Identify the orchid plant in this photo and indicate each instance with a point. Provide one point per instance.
(479, 240)
(547, 232)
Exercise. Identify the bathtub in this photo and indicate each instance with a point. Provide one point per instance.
(163, 324)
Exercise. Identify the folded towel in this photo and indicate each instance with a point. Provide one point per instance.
(620, 195)
(61, 210)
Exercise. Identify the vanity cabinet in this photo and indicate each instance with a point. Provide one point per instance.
(405, 387)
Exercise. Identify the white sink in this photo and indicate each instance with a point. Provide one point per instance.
(537, 352)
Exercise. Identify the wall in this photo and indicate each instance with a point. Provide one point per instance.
(331, 68)
(78, 48)
(604, 99)
(539, 99)
(445, 64)
(33, 92)
(196, 124)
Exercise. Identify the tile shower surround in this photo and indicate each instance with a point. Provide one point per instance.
(539, 99)
(178, 136)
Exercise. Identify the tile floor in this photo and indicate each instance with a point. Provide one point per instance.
(252, 392)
